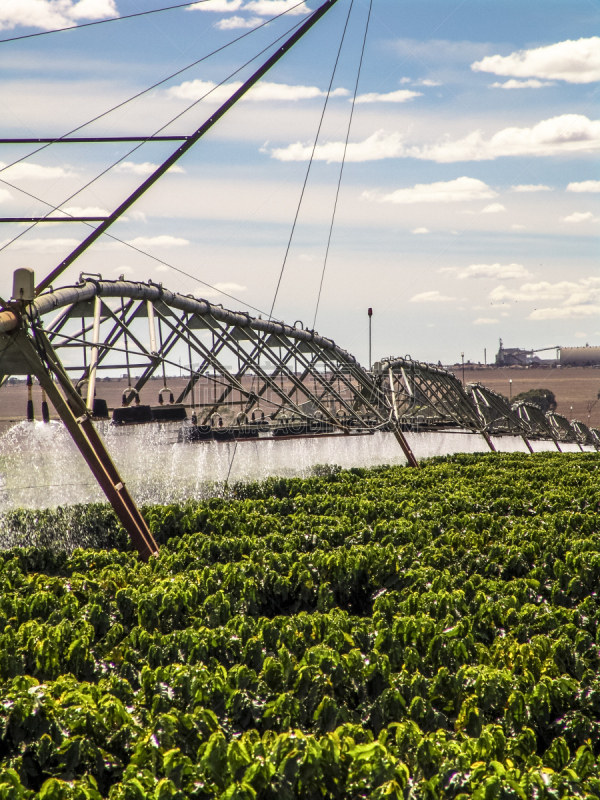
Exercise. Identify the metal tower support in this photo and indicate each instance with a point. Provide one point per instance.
(563, 431)
(495, 414)
(39, 358)
(584, 434)
(425, 397)
(535, 422)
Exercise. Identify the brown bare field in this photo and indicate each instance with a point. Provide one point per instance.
(575, 387)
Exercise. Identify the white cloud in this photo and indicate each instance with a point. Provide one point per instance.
(497, 271)
(138, 216)
(42, 245)
(231, 23)
(33, 171)
(263, 91)
(579, 216)
(146, 168)
(124, 270)
(49, 14)
(427, 82)
(532, 187)
(456, 191)
(574, 299)
(569, 133)
(229, 288)
(493, 208)
(269, 8)
(517, 227)
(485, 321)
(400, 96)
(377, 146)
(584, 186)
(78, 211)
(431, 297)
(420, 230)
(4, 195)
(158, 241)
(580, 335)
(572, 312)
(570, 61)
(513, 84)
(219, 6)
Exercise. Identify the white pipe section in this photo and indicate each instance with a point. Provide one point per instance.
(94, 357)
(151, 327)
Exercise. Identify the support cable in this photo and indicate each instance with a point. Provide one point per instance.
(337, 194)
(287, 250)
(138, 146)
(102, 21)
(154, 86)
(191, 141)
(142, 252)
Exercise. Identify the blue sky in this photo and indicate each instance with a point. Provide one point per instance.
(469, 203)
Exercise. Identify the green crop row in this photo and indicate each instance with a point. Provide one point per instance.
(384, 633)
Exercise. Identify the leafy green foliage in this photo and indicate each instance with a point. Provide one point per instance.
(384, 633)
(544, 398)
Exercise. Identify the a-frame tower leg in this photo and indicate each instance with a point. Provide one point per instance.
(72, 410)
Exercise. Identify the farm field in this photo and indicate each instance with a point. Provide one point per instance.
(383, 633)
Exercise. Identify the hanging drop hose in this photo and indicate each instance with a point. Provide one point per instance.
(337, 194)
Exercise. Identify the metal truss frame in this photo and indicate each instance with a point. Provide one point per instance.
(288, 371)
(495, 414)
(535, 422)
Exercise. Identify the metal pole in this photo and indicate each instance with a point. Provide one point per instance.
(88, 441)
(94, 356)
(370, 313)
(462, 355)
(510, 388)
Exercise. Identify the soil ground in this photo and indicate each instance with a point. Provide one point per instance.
(575, 388)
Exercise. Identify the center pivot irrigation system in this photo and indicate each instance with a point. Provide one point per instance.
(247, 377)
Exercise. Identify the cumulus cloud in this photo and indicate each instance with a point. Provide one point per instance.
(263, 91)
(269, 8)
(493, 208)
(497, 271)
(431, 297)
(531, 187)
(231, 23)
(219, 6)
(143, 169)
(49, 14)
(400, 96)
(579, 216)
(376, 147)
(571, 312)
(568, 133)
(4, 196)
(420, 230)
(485, 321)
(513, 84)
(571, 61)
(42, 245)
(219, 288)
(584, 186)
(572, 299)
(517, 227)
(456, 191)
(27, 170)
(78, 211)
(157, 241)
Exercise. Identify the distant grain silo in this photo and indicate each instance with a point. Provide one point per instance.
(579, 356)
